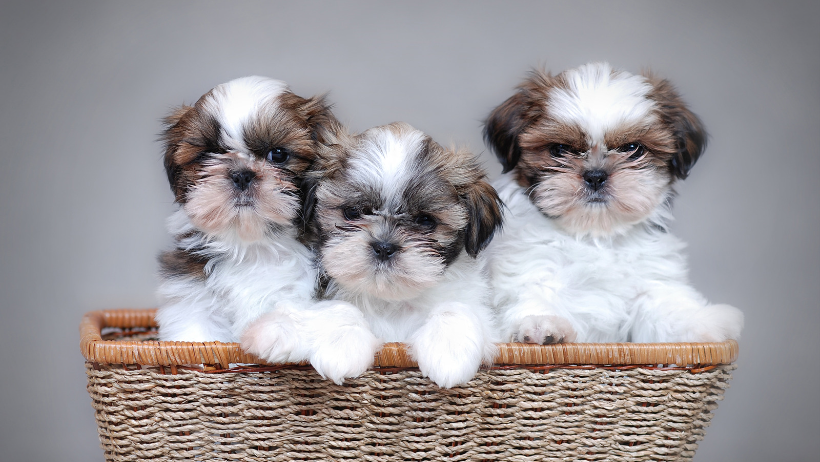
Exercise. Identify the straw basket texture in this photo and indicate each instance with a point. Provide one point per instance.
(209, 401)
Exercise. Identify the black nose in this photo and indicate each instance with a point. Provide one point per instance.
(384, 250)
(595, 179)
(242, 179)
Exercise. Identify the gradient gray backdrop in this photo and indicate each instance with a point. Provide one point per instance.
(83, 196)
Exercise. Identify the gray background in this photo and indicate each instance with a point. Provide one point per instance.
(83, 196)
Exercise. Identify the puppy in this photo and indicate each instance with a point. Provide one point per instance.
(235, 162)
(399, 221)
(592, 155)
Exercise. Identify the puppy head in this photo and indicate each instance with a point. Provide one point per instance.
(394, 209)
(236, 157)
(597, 149)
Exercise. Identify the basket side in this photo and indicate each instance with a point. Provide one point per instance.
(636, 414)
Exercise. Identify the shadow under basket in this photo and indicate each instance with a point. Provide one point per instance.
(210, 401)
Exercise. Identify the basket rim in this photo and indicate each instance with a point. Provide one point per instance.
(156, 353)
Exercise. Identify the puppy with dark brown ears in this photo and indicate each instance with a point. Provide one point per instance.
(591, 156)
(235, 162)
(399, 221)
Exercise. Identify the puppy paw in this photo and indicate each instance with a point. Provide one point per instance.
(544, 330)
(718, 323)
(449, 349)
(344, 352)
(273, 337)
(449, 365)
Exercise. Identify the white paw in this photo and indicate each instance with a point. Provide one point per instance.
(186, 322)
(450, 348)
(273, 337)
(718, 323)
(544, 330)
(448, 365)
(344, 352)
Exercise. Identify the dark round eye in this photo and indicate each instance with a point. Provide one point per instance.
(278, 155)
(351, 213)
(559, 150)
(635, 150)
(425, 220)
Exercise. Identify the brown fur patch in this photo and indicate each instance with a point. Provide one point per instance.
(508, 121)
(477, 195)
(179, 263)
(686, 128)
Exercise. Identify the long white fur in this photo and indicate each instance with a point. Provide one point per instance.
(448, 327)
(383, 160)
(599, 99)
(244, 280)
(630, 286)
(235, 102)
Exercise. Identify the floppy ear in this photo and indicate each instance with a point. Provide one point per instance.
(485, 215)
(329, 160)
(503, 127)
(691, 142)
(690, 136)
(325, 128)
(171, 138)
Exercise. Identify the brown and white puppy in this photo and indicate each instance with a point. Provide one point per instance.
(592, 155)
(235, 162)
(399, 221)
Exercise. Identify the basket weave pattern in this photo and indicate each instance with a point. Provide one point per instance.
(508, 412)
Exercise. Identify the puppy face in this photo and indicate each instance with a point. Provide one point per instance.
(394, 210)
(235, 158)
(597, 149)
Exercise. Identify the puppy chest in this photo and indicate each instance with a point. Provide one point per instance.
(396, 322)
(263, 278)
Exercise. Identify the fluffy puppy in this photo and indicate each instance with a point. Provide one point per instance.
(592, 155)
(235, 162)
(399, 221)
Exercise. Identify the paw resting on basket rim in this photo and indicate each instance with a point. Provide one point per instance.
(347, 352)
(274, 337)
(450, 348)
(544, 330)
(343, 345)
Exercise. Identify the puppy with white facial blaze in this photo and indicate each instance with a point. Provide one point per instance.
(592, 155)
(235, 162)
(399, 222)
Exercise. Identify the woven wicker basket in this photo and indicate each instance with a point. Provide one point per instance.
(191, 401)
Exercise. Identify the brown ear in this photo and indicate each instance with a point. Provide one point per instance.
(174, 117)
(502, 128)
(171, 138)
(330, 159)
(325, 128)
(508, 121)
(690, 136)
(485, 215)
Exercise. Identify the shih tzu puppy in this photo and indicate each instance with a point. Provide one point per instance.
(593, 154)
(235, 162)
(399, 221)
